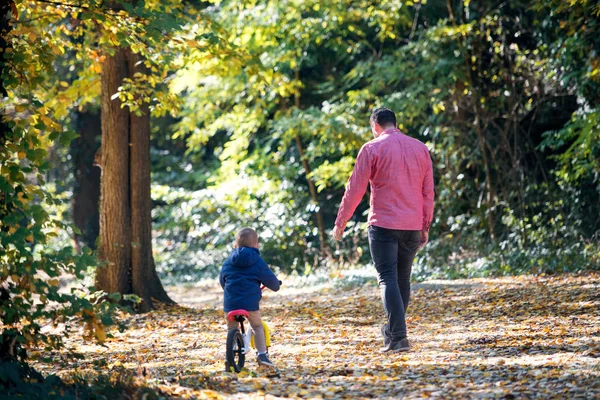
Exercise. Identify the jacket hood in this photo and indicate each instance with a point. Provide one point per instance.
(244, 257)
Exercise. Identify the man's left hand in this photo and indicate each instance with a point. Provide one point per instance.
(424, 238)
(338, 232)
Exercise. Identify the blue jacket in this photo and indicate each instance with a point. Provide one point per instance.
(241, 277)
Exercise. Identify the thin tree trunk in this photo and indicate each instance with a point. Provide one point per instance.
(7, 10)
(113, 275)
(86, 193)
(490, 193)
(311, 185)
(145, 281)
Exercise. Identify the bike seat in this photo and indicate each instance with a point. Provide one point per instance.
(232, 315)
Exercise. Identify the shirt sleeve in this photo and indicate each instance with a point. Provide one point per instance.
(268, 278)
(356, 187)
(428, 194)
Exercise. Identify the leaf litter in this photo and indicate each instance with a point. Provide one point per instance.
(513, 337)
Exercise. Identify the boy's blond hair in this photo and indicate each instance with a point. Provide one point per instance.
(246, 237)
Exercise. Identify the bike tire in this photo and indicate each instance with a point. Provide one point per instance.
(235, 357)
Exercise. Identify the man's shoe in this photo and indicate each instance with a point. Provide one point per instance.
(263, 359)
(386, 337)
(400, 345)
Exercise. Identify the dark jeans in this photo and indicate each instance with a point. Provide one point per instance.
(393, 252)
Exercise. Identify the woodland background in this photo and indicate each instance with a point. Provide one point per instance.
(221, 114)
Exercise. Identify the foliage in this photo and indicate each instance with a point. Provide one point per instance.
(260, 103)
(196, 228)
(52, 66)
(29, 271)
(77, 386)
(504, 95)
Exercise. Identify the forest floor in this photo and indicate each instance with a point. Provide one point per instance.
(514, 337)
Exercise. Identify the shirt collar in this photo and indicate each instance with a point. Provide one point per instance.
(390, 131)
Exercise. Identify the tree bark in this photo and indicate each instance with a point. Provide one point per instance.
(86, 193)
(145, 281)
(113, 275)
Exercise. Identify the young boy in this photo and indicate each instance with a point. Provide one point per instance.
(241, 277)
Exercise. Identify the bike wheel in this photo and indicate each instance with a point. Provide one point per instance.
(234, 355)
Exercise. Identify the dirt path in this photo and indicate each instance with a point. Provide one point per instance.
(498, 338)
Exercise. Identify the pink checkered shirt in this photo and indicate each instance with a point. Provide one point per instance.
(399, 170)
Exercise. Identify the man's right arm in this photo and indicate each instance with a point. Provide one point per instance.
(355, 188)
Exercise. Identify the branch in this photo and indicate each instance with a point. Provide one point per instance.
(450, 13)
(109, 11)
(416, 19)
(56, 3)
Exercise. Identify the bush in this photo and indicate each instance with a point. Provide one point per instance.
(34, 311)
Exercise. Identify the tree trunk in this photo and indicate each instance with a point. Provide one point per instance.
(145, 281)
(6, 9)
(125, 206)
(86, 193)
(113, 275)
(311, 185)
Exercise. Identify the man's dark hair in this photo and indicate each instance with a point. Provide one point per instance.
(246, 237)
(383, 117)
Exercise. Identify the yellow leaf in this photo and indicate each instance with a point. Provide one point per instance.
(59, 51)
(88, 313)
(53, 282)
(100, 333)
(47, 121)
(21, 196)
(64, 84)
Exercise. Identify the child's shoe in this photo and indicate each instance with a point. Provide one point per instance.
(263, 359)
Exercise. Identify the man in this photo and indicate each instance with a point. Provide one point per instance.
(399, 170)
